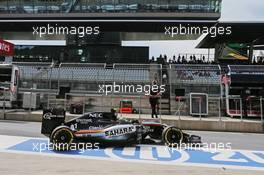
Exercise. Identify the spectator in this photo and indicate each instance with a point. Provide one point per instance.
(203, 58)
(179, 60)
(165, 59)
(152, 59)
(184, 61)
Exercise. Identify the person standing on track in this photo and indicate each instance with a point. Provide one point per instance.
(154, 99)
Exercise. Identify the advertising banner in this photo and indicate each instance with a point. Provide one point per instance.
(6, 48)
(233, 52)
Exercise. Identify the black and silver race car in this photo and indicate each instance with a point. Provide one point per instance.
(105, 128)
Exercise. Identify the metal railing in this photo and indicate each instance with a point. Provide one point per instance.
(46, 76)
(34, 102)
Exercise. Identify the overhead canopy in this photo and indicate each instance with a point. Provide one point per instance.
(242, 32)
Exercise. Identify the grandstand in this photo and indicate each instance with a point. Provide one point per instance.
(179, 74)
(35, 6)
(209, 9)
(81, 73)
(143, 6)
(195, 74)
(86, 6)
(85, 78)
(84, 72)
(246, 69)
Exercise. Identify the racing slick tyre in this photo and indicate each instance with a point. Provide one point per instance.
(172, 136)
(61, 139)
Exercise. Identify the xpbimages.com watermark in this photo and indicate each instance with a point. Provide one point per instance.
(55, 29)
(196, 30)
(49, 146)
(213, 147)
(82, 147)
(130, 88)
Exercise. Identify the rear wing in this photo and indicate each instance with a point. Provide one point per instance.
(51, 119)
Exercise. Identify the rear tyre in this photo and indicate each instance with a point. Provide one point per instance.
(62, 139)
(172, 136)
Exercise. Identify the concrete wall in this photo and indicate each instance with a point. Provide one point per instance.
(185, 124)
(227, 126)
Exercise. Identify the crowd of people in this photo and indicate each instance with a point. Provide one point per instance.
(201, 59)
(258, 61)
(182, 59)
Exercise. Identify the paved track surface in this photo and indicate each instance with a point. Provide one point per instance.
(19, 164)
(18, 157)
(248, 141)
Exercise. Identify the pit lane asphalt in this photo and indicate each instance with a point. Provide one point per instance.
(244, 141)
(43, 165)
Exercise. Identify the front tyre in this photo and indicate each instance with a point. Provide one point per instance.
(62, 139)
(172, 136)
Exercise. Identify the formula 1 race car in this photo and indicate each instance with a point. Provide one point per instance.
(105, 128)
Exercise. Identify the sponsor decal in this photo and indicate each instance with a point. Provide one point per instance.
(6, 48)
(49, 115)
(96, 115)
(119, 131)
(95, 127)
(84, 121)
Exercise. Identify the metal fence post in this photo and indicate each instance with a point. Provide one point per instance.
(112, 104)
(161, 82)
(102, 96)
(179, 108)
(65, 101)
(200, 108)
(219, 110)
(159, 108)
(113, 80)
(4, 114)
(121, 106)
(48, 101)
(241, 109)
(83, 103)
(30, 101)
(261, 109)
(140, 108)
